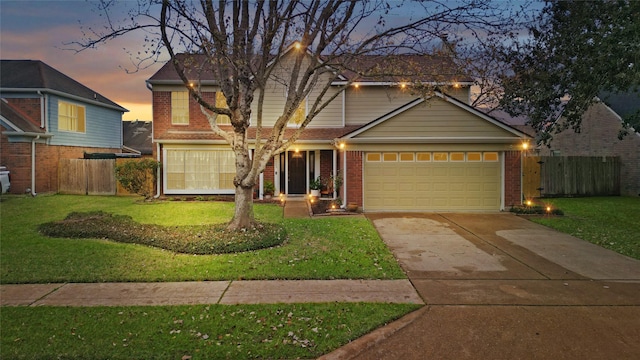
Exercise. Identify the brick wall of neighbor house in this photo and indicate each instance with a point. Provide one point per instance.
(512, 178)
(599, 137)
(17, 158)
(353, 176)
(28, 106)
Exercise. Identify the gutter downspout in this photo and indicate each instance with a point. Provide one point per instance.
(157, 195)
(33, 165)
(42, 108)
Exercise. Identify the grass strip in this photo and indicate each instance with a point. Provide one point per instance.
(281, 331)
(611, 222)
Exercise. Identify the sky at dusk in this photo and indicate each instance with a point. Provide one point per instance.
(39, 30)
(43, 30)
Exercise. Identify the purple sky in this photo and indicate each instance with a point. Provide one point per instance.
(38, 30)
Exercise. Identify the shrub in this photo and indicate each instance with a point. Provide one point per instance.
(138, 177)
(534, 210)
(196, 239)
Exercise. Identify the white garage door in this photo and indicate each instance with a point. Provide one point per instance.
(424, 181)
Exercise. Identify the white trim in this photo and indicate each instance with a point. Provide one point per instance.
(433, 140)
(396, 83)
(66, 95)
(501, 157)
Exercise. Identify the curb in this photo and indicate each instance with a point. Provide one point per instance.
(356, 347)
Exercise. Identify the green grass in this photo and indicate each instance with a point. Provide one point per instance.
(325, 248)
(282, 331)
(611, 222)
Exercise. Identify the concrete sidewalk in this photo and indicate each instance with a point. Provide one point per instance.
(209, 292)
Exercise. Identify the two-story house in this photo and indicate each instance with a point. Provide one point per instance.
(395, 150)
(47, 116)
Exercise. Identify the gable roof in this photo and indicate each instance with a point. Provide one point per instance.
(366, 69)
(353, 135)
(35, 75)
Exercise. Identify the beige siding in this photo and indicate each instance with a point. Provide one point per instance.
(331, 116)
(433, 119)
(461, 93)
(367, 103)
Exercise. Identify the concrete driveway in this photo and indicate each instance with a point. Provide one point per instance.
(498, 286)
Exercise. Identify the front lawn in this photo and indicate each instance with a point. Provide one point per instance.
(611, 222)
(326, 248)
(281, 331)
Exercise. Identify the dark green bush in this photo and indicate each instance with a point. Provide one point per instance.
(138, 176)
(195, 239)
(535, 210)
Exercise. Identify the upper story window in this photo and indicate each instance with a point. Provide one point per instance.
(71, 117)
(180, 107)
(221, 102)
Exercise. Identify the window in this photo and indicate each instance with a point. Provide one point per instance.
(200, 169)
(423, 156)
(71, 117)
(221, 102)
(474, 156)
(373, 157)
(390, 157)
(407, 157)
(180, 107)
(300, 113)
(456, 156)
(441, 156)
(490, 156)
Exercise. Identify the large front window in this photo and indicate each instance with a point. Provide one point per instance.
(208, 171)
(180, 107)
(71, 117)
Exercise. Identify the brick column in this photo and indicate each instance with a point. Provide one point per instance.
(353, 177)
(512, 178)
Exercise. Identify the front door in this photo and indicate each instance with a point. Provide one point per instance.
(297, 170)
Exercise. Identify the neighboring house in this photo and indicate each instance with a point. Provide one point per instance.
(395, 151)
(137, 137)
(47, 116)
(598, 136)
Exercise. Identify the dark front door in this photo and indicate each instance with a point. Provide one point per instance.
(297, 170)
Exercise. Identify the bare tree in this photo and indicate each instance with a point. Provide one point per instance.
(247, 44)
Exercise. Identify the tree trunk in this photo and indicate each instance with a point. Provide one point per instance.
(243, 216)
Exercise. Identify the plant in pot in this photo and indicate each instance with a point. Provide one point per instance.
(315, 186)
(269, 189)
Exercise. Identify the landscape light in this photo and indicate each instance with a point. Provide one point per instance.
(548, 209)
(528, 202)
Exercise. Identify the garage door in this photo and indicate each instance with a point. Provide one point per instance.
(424, 181)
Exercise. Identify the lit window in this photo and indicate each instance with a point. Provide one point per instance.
(180, 107)
(457, 156)
(440, 156)
(474, 156)
(423, 156)
(71, 117)
(200, 169)
(390, 157)
(373, 157)
(221, 102)
(490, 156)
(300, 113)
(407, 157)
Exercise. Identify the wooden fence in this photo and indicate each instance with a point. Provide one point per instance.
(87, 176)
(91, 177)
(570, 176)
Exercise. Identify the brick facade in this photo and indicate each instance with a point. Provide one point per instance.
(353, 176)
(17, 158)
(599, 137)
(512, 178)
(29, 107)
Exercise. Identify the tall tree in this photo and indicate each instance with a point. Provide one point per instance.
(579, 51)
(246, 43)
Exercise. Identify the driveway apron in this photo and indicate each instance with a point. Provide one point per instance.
(498, 286)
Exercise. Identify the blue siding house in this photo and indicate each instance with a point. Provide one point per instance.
(46, 116)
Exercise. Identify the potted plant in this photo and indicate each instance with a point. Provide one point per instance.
(315, 186)
(269, 189)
